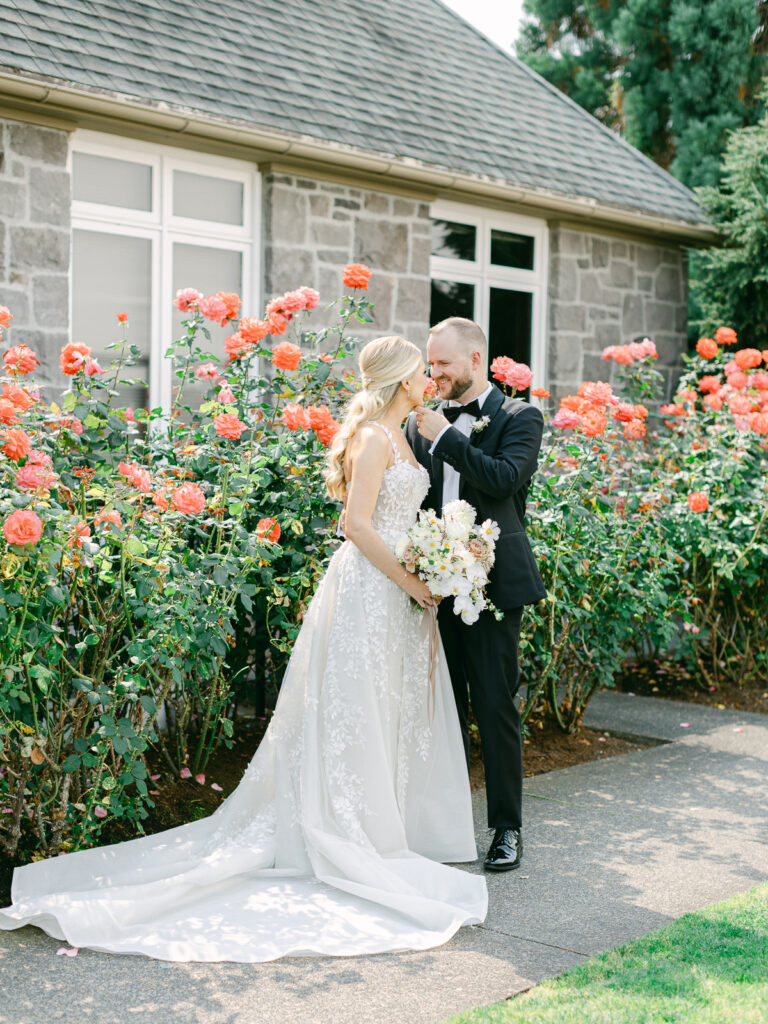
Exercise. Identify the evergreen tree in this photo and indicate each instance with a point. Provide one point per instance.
(730, 283)
(675, 76)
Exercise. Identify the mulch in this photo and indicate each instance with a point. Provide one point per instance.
(672, 681)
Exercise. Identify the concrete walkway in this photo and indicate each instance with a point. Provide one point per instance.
(614, 849)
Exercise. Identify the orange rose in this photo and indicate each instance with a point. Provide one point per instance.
(236, 346)
(188, 499)
(540, 393)
(278, 324)
(739, 405)
(122, 318)
(759, 422)
(17, 444)
(269, 530)
(232, 303)
(295, 417)
(737, 380)
(709, 384)
(229, 426)
(635, 430)
(714, 402)
(23, 527)
(79, 535)
(596, 391)
(160, 498)
(213, 309)
(593, 422)
(19, 397)
(73, 357)
(21, 360)
(253, 330)
(286, 356)
(8, 412)
(707, 348)
(747, 358)
(112, 516)
(698, 502)
(327, 432)
(725, 336)
(356, 275)
(5, 316)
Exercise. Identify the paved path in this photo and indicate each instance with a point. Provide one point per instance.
(614, 849)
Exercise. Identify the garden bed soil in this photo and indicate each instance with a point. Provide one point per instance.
(671, 681)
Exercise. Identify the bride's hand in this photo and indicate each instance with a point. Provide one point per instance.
(418, 590)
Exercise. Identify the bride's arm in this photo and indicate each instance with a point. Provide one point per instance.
(368, 457)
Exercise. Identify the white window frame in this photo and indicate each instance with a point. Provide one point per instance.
(484, 275)
(164, 230)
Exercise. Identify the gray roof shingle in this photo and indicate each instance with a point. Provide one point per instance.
(405, 78)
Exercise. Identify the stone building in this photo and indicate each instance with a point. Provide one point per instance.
(257, 145)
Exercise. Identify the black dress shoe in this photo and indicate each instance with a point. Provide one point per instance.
(506, 850)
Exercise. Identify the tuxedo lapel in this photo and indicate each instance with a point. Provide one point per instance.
(491, 407)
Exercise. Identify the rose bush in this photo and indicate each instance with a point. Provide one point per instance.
(138, 549)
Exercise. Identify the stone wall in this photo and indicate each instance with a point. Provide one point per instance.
(35, 238)
(608, 291)
(313, 228)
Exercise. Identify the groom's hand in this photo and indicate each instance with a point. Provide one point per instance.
(430, 422)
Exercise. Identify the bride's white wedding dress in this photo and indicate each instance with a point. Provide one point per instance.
(331, 842)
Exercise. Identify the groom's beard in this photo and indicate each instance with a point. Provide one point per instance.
(459, 386)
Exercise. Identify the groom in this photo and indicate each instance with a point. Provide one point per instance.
(483, 447)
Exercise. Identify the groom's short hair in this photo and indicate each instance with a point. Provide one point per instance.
(470, 334)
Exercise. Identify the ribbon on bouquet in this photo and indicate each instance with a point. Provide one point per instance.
(434, 642)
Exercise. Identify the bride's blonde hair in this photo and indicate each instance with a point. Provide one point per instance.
(384, 364)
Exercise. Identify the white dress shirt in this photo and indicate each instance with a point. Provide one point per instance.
(463, 423)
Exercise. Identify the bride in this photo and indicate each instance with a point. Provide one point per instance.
(332, 842)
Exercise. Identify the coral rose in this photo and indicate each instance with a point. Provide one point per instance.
(707, 348)
(565, 418)
(112, 516)
(326, 433)
(747, 358)
(268, 530)
(295, 417)
(759, 380)
(214, 309)
(206, 371)
(253, 330)
(278, 324)
(624, 412)
(9, 413)
(69, 423)
(21, 360)
(92, 368)
(739, 405)
(319, 416)
(698, 501)
(596, 391)
(635, 430)
(709, 383)
(187, 299)
(5, 316)
(714, 402)
(286, 356)
(311, 297)
(725, 336)
(122, 318)
(758, 422)
(226, 395)
(35, 477)
(593, 422)
(160, 498)
(540, 393)
(23, 527)
(232, 303)
(514, 375)
(236, 346)
(738, 380)
(79, 535)
(22, 399)
(16, 444)
(136, 475)
(73, 357)
(188, 499)
(229, 426)
(356, 275)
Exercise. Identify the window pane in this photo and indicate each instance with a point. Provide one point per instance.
(454, 240)
(205, 198)
(509, 326)
(209, 270)
(451, 298)
(511, 250)
(113, 274)
(100, 179)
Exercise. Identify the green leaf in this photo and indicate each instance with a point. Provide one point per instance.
(71, 764)
(138, 771)
(148, 704)
(135, 547)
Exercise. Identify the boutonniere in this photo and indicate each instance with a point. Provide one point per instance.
(480, 424)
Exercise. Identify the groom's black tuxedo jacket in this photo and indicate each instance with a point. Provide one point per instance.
(495, 466)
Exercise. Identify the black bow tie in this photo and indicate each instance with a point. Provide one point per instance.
(452, 412)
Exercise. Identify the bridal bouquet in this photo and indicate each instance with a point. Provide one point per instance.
(453, 555)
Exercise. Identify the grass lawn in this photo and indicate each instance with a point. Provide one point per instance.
(710, 967)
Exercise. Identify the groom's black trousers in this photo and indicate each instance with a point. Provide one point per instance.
(483, 663)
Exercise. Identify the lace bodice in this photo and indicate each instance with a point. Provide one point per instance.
(403, 488)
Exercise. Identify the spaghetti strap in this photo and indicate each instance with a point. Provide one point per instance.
(398, 456)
